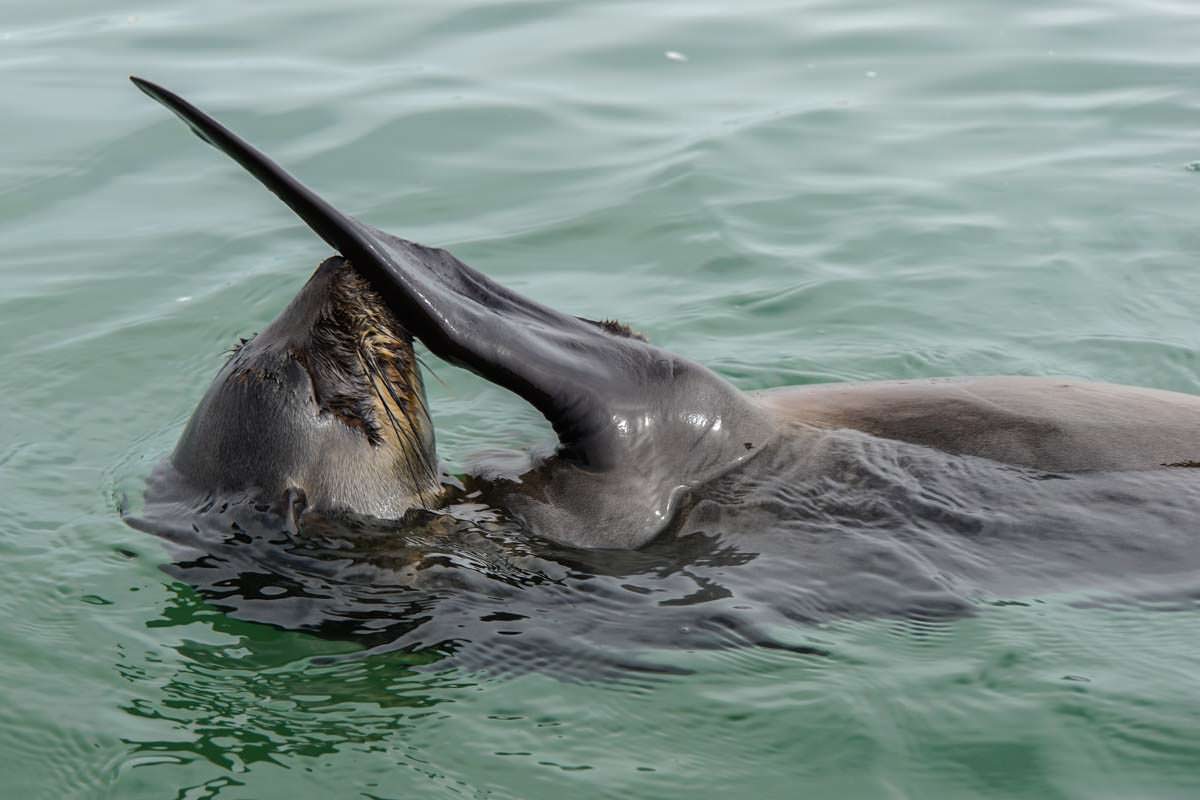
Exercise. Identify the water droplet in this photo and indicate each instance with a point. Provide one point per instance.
(675, 55)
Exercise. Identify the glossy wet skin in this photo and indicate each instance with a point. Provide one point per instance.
(1050, 424)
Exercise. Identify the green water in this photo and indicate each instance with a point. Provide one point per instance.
(787, 192)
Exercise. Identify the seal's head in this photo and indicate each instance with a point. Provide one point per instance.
(324, 407)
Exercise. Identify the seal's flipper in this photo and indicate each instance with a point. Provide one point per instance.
(570, 369)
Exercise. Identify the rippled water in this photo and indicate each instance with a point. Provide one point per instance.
(787, 192)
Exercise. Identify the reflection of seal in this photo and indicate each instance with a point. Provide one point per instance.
(326, 404)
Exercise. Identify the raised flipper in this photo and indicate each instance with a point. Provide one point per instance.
(564, 366)
(651, 422)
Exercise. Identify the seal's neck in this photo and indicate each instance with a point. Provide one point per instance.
(676, 433)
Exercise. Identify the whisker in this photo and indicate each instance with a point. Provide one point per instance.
(409, 446)
(372, 367)
(421, 361)
(419, 396)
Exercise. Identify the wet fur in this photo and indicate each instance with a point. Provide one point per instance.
(365, 373)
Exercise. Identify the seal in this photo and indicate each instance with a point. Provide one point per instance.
(324, 410)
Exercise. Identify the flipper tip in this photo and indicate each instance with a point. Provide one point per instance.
(143, 84)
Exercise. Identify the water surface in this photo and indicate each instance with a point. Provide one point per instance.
(787, 192)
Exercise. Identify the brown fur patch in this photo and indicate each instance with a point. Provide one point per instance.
(616, 328)
(359, 345)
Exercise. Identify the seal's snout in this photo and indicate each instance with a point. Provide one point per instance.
(327, 401)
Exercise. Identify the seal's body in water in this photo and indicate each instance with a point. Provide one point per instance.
(324, 410)
(674, 509)
(1047, 424)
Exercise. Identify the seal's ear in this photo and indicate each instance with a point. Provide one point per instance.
(572, 370)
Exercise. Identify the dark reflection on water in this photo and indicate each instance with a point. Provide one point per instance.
(264, 698)
(849, 525)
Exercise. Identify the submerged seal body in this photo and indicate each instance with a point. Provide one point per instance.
(324, 410)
